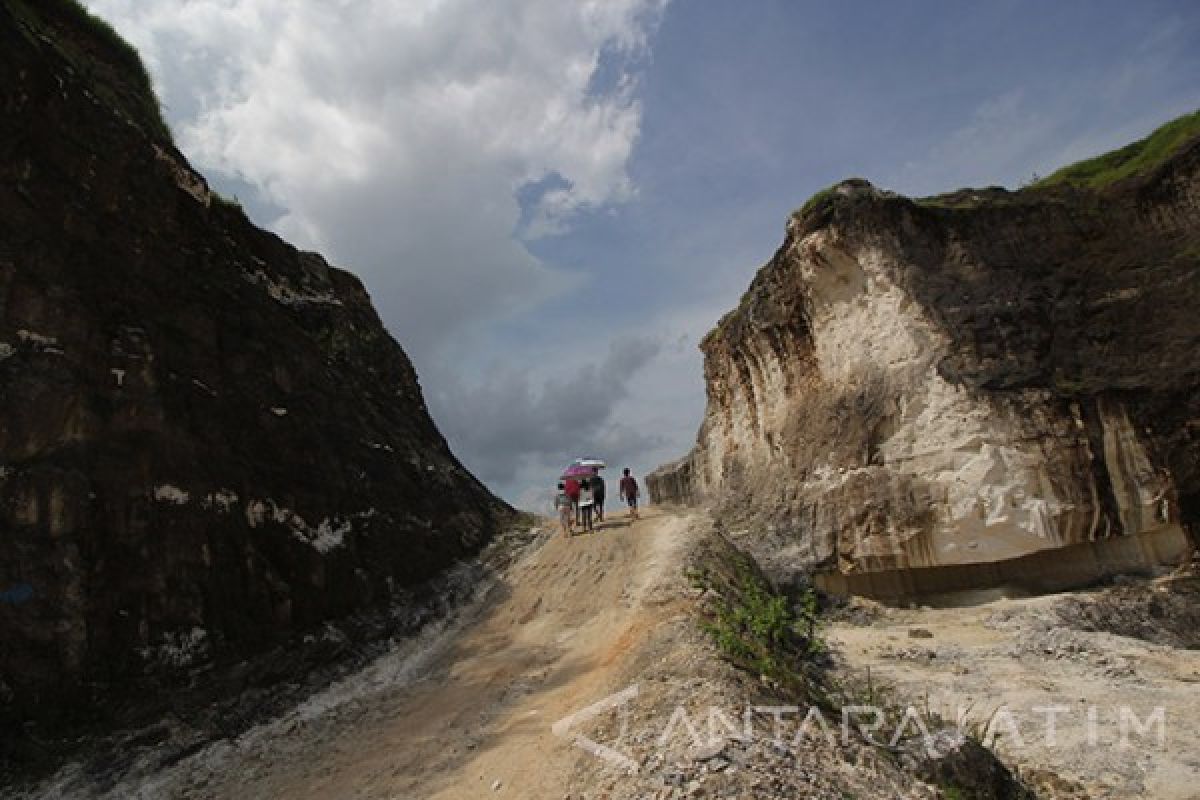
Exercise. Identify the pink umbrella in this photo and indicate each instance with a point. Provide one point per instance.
(577, 471)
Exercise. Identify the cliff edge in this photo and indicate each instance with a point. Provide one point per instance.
(980, 388)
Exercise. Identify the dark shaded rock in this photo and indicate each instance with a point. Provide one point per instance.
(952, 760)
(1165, 612)
(209, 444)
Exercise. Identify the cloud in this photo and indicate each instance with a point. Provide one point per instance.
(395, 137)
(514, 430)
(636, 402)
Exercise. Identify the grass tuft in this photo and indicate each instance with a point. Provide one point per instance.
(817, 200)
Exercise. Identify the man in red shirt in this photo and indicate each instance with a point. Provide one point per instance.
(629, 492)
(571, 487)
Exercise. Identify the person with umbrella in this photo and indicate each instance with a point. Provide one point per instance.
(571, 487)
(583, 476)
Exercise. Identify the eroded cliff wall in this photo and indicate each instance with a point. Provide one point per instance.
(208, 441)
(976, 388)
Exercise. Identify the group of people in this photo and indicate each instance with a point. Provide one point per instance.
(580, 501)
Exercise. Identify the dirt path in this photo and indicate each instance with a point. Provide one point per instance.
(1020, 655)
(468, 713)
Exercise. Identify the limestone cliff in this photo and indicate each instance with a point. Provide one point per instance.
(977, 388)
(209, 444)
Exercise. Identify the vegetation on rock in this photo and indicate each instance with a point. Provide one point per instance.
(97, 54)
(760, 629)
(1136, 158)
(817, 200)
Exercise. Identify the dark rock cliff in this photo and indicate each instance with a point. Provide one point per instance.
(975, 388)
(209, 444)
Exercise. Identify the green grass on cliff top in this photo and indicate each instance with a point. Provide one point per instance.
(817, 199)
(99, 54)
(1132, 159)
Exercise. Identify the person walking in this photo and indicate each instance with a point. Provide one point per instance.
(598, 493)
(571, 486)
(586, 500)
(565, 508)
(629, 492)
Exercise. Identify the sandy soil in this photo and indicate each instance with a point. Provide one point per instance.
(1020, 655)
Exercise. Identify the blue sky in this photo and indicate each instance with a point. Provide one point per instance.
(553, 201)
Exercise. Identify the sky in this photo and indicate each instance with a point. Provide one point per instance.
(552, 201)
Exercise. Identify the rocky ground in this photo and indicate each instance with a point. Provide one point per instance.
(698, 727)
(1105, 660)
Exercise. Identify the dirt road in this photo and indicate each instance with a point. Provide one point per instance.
(549, 644)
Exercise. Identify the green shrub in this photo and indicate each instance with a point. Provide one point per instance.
(230, 203)
(761, 630)
(817, 200)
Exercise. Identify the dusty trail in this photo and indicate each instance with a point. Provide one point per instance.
(550, 639)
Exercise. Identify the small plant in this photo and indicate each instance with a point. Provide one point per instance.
(233, 204)
(1067, 386)
(759, 629)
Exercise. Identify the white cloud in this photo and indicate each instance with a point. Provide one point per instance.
(509, 428)
(395, 134)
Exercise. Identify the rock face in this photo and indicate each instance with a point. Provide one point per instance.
(985, 387)
(208, 441)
